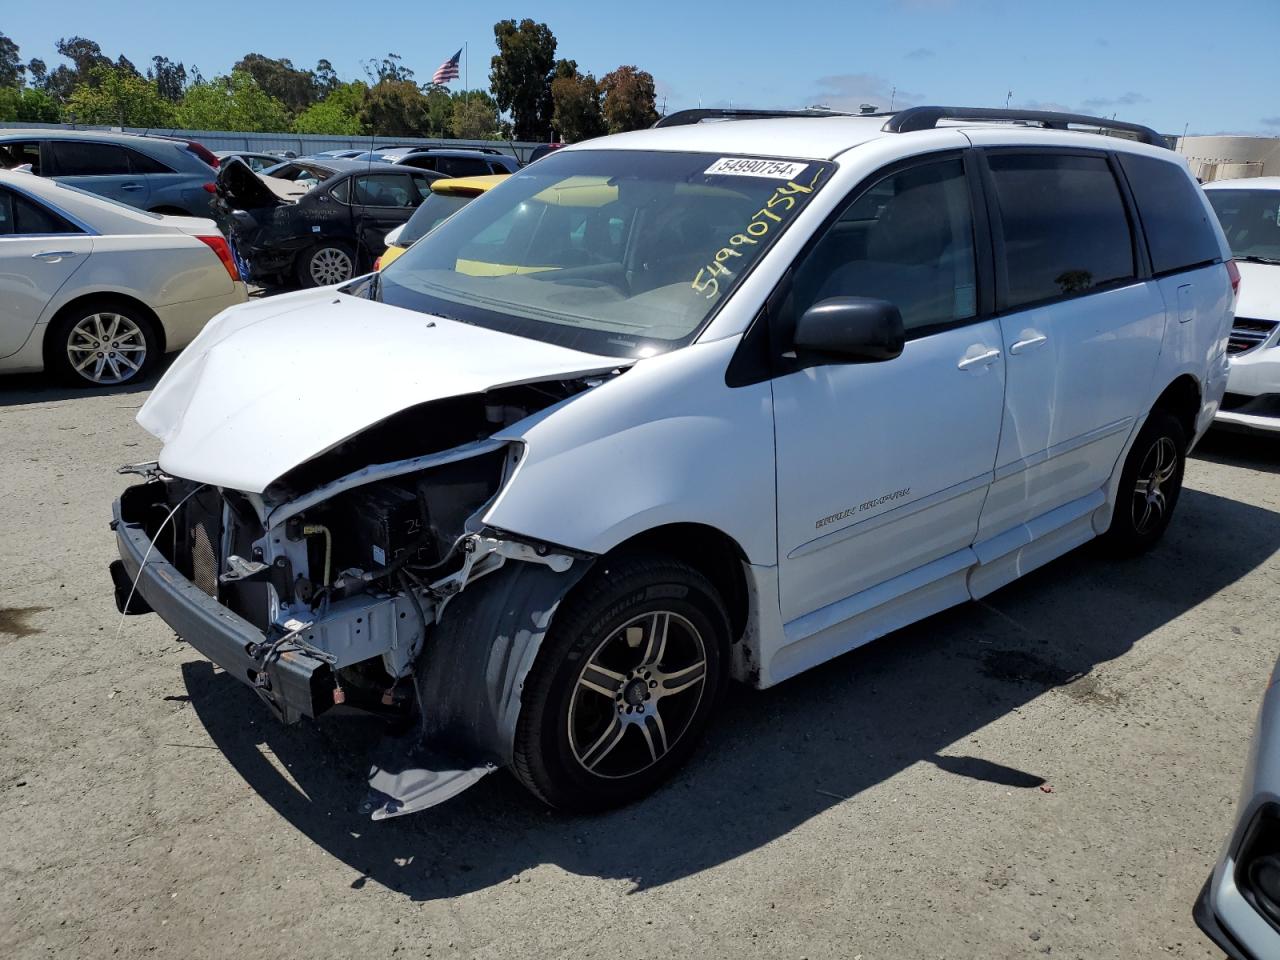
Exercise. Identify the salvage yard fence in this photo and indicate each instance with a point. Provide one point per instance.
(301, 144)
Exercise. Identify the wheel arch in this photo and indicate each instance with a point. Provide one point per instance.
(1182, 398)
(101, 297)
(711, 552)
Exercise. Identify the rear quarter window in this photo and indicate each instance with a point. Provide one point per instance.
(1174, 217)
(141, 163)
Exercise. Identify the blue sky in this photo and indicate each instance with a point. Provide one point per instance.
(1167, 64)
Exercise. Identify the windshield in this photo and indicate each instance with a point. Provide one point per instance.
(434, 210)
(1251, 221)
(621, 253)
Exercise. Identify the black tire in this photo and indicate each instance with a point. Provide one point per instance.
(593, 626)
(74, 332)
(1143, 509)
(313, 265)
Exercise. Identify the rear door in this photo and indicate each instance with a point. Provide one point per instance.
(381, 202)
(101, 168)
(1081, 329)
(39, 251)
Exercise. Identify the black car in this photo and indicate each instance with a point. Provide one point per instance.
(314, 222)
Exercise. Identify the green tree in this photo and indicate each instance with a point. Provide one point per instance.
(439, 110)
(474, 116)
(233, 102)
(38, 73)
(11, 67)
(337, 113)
(577, 114)
(36, 106)
(389, 68)
(170, 78)
(115, 95)
(520, 75)
(281, 80)
(396, 108)
(628, 99)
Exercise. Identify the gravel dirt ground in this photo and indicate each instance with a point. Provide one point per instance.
(1050, 772)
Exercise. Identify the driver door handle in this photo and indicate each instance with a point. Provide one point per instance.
(1029, 343)
(53, 256)
(982, 359)
(130, 186)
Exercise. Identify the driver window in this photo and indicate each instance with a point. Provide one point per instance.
(907, 239)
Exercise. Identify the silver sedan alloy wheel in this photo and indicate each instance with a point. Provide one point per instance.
(1150, 500)
(106, 348)
(330, 265)
(636, 696)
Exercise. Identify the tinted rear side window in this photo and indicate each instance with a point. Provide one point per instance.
(88, 159)
(1064, 225)
(1173, 216)
(141, 163)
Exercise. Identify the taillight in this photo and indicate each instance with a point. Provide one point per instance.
(222, 249)
(377, 265)
(210, 187)
(1234, 273)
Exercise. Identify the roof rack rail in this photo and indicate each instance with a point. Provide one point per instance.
(683, 118)
(926, 118)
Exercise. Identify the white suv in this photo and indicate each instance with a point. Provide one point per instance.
(717, 400)
(1249, 211)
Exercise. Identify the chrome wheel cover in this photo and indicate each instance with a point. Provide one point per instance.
(330, 265)
(1150, 498)
(106, 348)
(637, 695)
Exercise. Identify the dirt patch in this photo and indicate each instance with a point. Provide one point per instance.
(13, 621)
(1019, 666)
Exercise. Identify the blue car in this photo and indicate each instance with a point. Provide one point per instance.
(150, 173)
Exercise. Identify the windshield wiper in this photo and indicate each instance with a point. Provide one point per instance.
(1273, 261)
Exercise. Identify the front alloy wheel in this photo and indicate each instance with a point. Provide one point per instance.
(624, 684)
(637, 695)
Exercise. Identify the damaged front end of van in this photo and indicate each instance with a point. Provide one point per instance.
(316, 527)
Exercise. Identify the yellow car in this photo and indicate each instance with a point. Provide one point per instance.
(447, 198)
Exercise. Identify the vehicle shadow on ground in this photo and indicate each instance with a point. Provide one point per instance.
(1248, 450)
(773, 759)
(28, 388)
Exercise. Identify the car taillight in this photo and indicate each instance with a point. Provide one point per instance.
(377, 265)
(210, 187)
(222, 250)
(1234, 273)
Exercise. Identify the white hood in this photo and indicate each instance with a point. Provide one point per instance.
(1259, 291)
(267, 386)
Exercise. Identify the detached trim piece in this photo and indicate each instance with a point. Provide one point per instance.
(926, 118)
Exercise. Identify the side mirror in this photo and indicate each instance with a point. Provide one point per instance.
(850, 330)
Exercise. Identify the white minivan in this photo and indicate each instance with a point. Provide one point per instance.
(714, 400)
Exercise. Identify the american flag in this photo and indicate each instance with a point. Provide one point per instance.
(447, 70)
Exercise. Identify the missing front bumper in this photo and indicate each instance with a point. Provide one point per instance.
(292, 683)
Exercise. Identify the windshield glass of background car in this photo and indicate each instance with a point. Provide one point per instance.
(1251, 221)
(622, 253)
(434, 210)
